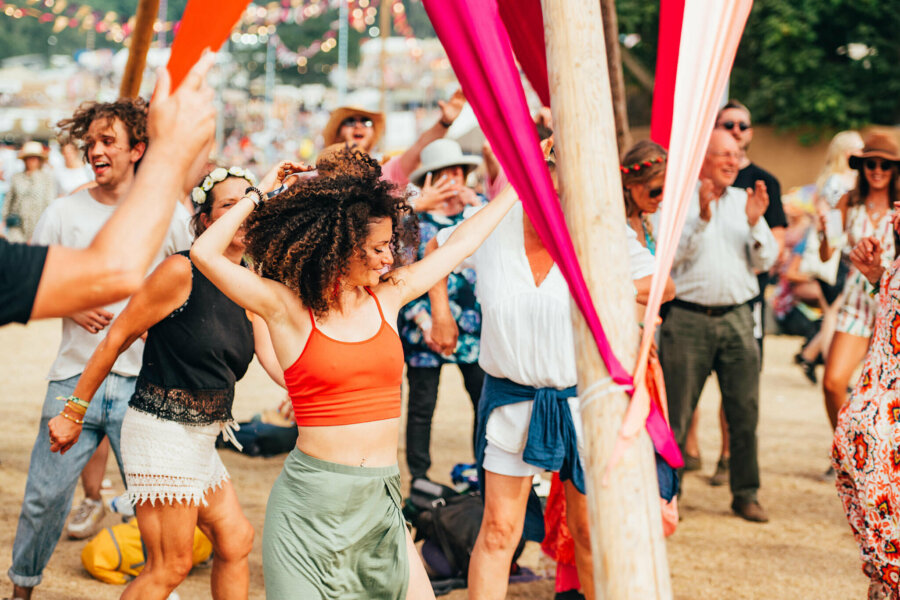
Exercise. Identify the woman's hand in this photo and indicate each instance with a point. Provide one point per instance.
(63, 434)
(435, 195)
(282, 172)
(452, 107)
(444, 334)
(866, 257)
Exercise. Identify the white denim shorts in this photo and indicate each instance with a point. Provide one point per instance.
(170, 461)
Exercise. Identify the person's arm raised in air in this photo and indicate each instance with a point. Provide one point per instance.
(167, 288)
(180, 127)
(264, 297)
(414, 280)
(450, 109)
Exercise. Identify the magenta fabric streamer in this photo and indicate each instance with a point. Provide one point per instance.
(479, 49)
(671, 16)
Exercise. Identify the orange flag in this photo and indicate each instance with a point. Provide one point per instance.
(204, 24)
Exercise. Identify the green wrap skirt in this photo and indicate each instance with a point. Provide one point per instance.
(334, 532)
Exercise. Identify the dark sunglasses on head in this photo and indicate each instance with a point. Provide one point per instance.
(655, 192)
(878, 163)
(353, 121)
(742, 125)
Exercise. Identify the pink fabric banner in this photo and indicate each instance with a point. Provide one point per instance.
(478, 47)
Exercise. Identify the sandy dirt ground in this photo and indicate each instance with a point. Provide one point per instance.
(805, 552)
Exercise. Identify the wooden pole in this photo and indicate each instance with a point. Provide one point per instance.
(384, 22)
(137, 52)
(616, 77)
(626, 530)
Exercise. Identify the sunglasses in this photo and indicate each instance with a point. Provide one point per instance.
(655, 192)
(878, 163)
(742, 125)
(353, 121)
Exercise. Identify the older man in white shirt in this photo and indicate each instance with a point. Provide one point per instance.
(709, 326)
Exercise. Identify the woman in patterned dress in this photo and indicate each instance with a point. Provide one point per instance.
(867, 212)
(866, 451)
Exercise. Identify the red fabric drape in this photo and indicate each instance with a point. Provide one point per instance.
(524, 23)
(671, 15)
(204, 24)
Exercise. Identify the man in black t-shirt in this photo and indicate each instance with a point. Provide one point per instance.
(37, 282)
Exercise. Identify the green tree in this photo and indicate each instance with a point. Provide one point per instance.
(814, 65)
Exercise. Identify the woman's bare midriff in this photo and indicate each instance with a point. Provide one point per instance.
(372, 444)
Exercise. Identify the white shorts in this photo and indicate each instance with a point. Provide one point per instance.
(502, 462)
(169, 461)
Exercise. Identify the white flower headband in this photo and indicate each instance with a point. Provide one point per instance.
(219, 174)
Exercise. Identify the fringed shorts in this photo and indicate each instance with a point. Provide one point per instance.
(334, 532)
(170, 461)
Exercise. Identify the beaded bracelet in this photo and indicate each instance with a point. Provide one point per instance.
(71, 418)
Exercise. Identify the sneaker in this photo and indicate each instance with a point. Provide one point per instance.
(720, 477)
(85, 520)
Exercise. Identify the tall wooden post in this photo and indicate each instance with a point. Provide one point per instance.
(141, 39)
(616, 77)
(626, 531)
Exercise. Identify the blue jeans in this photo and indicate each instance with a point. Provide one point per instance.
(52, 477)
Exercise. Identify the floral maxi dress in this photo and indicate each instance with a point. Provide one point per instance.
(866, 450)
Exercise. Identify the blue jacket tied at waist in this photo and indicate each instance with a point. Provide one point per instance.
(551, 443)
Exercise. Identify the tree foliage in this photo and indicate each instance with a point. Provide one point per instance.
(798, 64)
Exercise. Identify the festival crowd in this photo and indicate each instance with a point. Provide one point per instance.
(171, 273)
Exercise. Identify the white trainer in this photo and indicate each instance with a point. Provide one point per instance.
(85, 520)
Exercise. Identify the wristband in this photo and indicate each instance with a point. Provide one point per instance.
(444, 124)
(76, 401)
(254, 190)
(76, 409)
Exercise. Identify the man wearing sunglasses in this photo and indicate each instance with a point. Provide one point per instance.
(360, 127)
(734, 118)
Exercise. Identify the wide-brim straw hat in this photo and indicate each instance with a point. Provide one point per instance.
(441, 154)
(877, 144)
(33, 148)
(330, 133)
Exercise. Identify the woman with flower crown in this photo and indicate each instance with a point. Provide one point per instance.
(199, 343)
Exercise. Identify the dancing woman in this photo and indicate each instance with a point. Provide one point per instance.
(199, 343)
(323, 250)
(867, 212)
(865, 451)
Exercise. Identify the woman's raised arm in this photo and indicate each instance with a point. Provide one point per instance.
(243, 286)
(417, 278)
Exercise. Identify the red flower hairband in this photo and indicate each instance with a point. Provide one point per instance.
(638, 165)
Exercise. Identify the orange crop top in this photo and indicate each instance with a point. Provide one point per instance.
(341, 383)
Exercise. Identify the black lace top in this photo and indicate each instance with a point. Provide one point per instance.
(193, 358)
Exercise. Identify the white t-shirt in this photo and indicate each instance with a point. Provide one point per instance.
(526, 331)
(73, 221)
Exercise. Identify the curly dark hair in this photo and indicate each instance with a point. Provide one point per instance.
(306, 236)
(131, 111)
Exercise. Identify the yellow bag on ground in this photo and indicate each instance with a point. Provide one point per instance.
(116, 554)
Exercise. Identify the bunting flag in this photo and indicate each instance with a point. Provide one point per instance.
(478, 47)
(710, 34)
(204, 24)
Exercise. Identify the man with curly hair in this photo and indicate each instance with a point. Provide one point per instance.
(113, 137)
